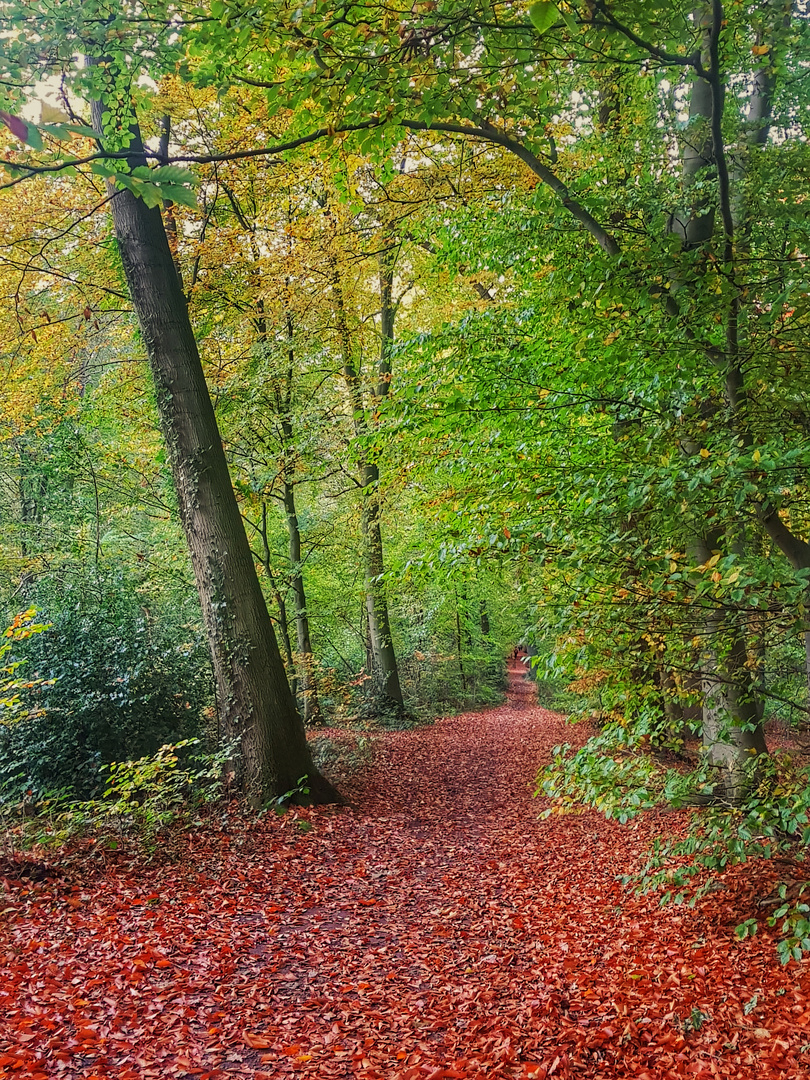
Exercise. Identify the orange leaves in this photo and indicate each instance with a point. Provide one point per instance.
(257, 1041)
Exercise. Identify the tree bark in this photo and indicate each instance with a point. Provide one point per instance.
(385, 671)
(732, 718)
(307, 683)
(253, 697)
(281, 604)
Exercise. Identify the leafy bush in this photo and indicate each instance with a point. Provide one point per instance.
(140, 798)
(111, 680)
(772, 822)
(146, 794)
(22, 627)
(605, 774)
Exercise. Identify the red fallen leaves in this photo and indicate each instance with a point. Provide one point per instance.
(438, 931)
(258, 1042)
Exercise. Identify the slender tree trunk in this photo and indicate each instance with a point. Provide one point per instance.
(385, 672)
(307, 682)
(673, 708)
(464, 597)
(32, 487)
(253, 695)
(302, 672)
(283, 619)
(310, 705)
(459, 653)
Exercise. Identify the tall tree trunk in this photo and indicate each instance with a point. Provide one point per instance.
(385, 672)
(253, 697)
(281, 604)
(459, 652)
(307, 682)
(310, 705)
(732, 729)
(302, 671)
(32, 488)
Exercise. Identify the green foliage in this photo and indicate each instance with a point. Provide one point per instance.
(140, 798)
(592, 426)
(147, 794)
(111, 680)
(605, 774)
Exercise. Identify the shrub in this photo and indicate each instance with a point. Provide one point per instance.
(110, 681)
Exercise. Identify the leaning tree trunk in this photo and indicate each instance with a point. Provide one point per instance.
(253, 696)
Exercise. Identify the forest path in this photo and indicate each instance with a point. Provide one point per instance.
(439, 930)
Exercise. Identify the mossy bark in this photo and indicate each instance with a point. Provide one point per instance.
(253, 696)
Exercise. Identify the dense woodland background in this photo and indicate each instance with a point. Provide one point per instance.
(503, 314)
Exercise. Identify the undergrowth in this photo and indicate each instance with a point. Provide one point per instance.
(622, 779)
(140, 799)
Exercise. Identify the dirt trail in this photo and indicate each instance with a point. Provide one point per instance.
(439, 930)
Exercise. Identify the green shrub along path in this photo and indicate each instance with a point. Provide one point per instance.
(435, 929)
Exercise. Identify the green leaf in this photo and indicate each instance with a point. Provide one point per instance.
(56, 131)
(543, 15)
(182, 195)
(82, 129)
(34, 138)
(165, 174)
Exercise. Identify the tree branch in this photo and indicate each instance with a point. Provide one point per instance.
(491, 134)
(693, 60)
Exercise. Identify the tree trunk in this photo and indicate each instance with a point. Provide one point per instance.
(385, 673)
(459, 653)
(283, 621)
(732, 718)
(253, 697)
(308, 686)
(732, 728)
(310, 705)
